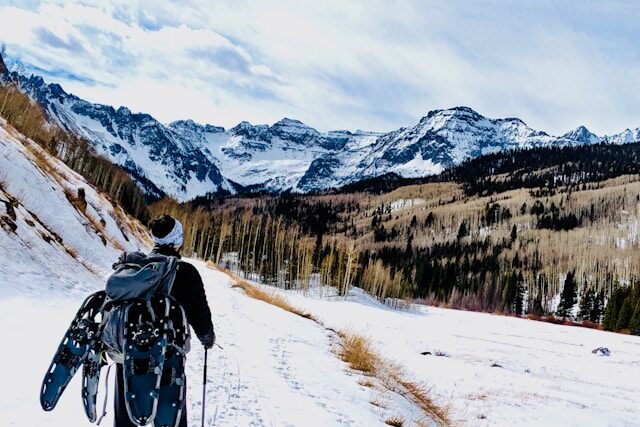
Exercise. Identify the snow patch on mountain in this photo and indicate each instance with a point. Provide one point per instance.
(625, 137)
(160, 159)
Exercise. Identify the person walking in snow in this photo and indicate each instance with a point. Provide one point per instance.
(188, 290)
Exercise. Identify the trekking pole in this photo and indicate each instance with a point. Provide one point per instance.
(204, 384)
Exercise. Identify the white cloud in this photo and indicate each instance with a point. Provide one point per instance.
(335, 64)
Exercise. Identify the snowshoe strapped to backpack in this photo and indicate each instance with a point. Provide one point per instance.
(141, 326)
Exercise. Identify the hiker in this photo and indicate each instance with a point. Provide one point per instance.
(188, 290)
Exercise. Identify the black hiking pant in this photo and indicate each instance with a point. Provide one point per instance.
(120, 416)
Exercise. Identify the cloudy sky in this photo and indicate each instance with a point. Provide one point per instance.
(340, 64)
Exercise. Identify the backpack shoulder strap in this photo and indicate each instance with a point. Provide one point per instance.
(170, 274)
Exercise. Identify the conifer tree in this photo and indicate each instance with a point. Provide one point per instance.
(462, 230)
(624, 317)
(597, 307)
(634, 323)
(514, 233)
(536, 306)
(567, 297)
(519, 295)
(587, 301)
(610, 320)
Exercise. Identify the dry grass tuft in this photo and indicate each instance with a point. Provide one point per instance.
(420, 396)
(273, 299)
(358, 353)
(79, 203)
(41, 161)
(395, 421)
(378, 403)
(366, 383)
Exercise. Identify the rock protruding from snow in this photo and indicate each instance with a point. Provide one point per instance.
(601, 351)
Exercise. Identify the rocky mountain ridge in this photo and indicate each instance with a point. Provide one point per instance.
(186, 159)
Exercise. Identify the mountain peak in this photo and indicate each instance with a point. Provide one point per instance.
(290, 127)
(124, 111)
(186, 159)
(243, 125)
(454, 111)
(463, 109)
(190, 125)
(289, 122)
(582, 134)
(187, 122)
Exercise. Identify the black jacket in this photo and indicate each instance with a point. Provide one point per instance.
(188, 289)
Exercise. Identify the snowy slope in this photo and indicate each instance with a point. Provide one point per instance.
(187, 159)
(46, 242)
(275, 369)
(498, 370)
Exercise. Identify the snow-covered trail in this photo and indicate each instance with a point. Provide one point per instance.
(275, 368)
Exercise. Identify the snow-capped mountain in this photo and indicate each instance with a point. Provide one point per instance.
(160, 159)
(625, 137)
(186, 159)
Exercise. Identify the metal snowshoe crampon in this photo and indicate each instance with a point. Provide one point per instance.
(139, 325)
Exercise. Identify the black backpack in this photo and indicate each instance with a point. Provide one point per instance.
(136, 276)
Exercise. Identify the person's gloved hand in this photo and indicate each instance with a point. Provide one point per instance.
(208, 339)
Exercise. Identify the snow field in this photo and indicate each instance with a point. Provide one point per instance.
(277, 368)
(498, 370)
